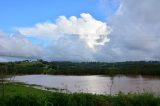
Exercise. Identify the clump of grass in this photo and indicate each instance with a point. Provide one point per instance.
(20, 95)
(62, 99)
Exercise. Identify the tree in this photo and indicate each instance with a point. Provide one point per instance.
(3, 72)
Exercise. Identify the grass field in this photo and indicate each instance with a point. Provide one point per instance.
(20, 95)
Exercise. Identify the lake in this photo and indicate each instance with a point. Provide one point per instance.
(95, 83)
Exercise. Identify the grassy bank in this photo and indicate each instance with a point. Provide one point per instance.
(20, 95)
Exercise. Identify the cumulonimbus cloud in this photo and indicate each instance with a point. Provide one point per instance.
(87, 28)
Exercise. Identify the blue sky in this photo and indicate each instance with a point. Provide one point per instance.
(22, 13)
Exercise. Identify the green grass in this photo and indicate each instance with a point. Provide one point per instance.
(20, 95)
(20, 89)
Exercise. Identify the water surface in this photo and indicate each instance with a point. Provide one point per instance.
(96, 83)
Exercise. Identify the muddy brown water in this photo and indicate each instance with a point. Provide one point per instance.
(96, 83)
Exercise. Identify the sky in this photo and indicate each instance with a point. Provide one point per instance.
(15, 13)
(80, 30)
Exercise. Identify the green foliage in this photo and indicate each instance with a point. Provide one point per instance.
(19, 95)
(82, 68)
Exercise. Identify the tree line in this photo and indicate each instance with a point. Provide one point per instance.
(81, 68)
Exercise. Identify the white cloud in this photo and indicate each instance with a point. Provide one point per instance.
(136, 31)
(87, 28)
(135, 36)
(17, 46)
(69, 39)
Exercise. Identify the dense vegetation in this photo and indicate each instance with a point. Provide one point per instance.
(81, 68)
(20, 95)
(15, 94)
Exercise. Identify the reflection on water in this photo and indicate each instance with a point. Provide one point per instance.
(95, 84)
